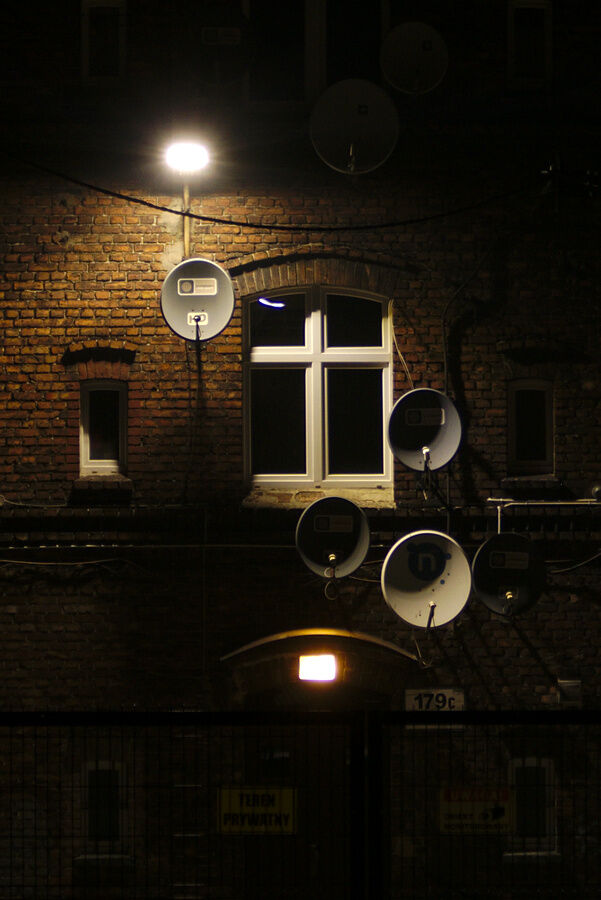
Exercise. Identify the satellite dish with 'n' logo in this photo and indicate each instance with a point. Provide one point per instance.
(426, 579)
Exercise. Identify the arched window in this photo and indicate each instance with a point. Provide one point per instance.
(317, 388)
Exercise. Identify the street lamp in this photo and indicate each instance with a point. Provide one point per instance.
(186, 157)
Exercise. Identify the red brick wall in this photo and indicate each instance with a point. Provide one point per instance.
(80, 297)
(85, 271)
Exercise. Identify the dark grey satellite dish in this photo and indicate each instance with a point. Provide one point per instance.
(424, 429)
(508, 574)
(354, 126)
(414, 58)
(426, 579)
(197, 299)
(332, 537)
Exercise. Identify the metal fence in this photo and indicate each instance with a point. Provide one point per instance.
(336, 805)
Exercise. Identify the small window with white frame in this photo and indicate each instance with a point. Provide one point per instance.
(103, 428)
(533, 783)
(103, 40)
(318, 386)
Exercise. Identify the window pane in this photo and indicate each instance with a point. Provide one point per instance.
(353, 322)
(354, 421)
(531, 799)
(353, 42)
(529, 30)
(104, 424)
(104, 41)
(284, 326)
(278, 421)
(278, 32)
(530, 425)
(103, 804)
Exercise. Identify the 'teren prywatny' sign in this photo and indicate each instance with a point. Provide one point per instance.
(257, 810)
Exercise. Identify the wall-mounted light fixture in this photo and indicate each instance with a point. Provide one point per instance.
(187, 158)
(320, 667)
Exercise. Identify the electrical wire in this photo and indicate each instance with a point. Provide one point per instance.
(65, 564)
(217, 220)
(4, 501)
(577, 565)
(398, 349)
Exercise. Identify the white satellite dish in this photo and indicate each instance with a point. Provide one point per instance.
(414, 58)
(197, 299)
(354, 126)
(426, 579)
(424, 429)
(332, 537)
(508, 574)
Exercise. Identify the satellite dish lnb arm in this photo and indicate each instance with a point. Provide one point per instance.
(431, 616)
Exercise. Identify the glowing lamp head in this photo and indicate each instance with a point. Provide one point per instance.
(317, 668)
(187, 157)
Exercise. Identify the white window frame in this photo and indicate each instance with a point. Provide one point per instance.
(87, 76)
(87, 465)
(315, 359)
(546, 843)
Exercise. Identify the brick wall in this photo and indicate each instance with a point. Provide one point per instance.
(473, 308)
(493, 272)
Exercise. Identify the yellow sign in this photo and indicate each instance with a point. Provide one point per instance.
(476, 810)
(257, 810)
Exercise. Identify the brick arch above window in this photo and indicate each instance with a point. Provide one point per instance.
(101, 359)
(102, 369)
(308, 265)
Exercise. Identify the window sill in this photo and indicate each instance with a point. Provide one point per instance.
(299, 498)
(534, 487)
(101, 490)
(102, 869)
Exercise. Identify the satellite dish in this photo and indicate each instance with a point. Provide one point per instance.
(332, 537)
(354, 126)
(508, 574)
(424, 429)
(197, 299)
(426, 579)
(414, 58)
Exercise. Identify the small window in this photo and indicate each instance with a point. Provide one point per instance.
(102, 40)
(103, 427)
(104, 802)
(529, 44)
(532, 780)
(530, 427)
(317, 389)
(103, 805)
